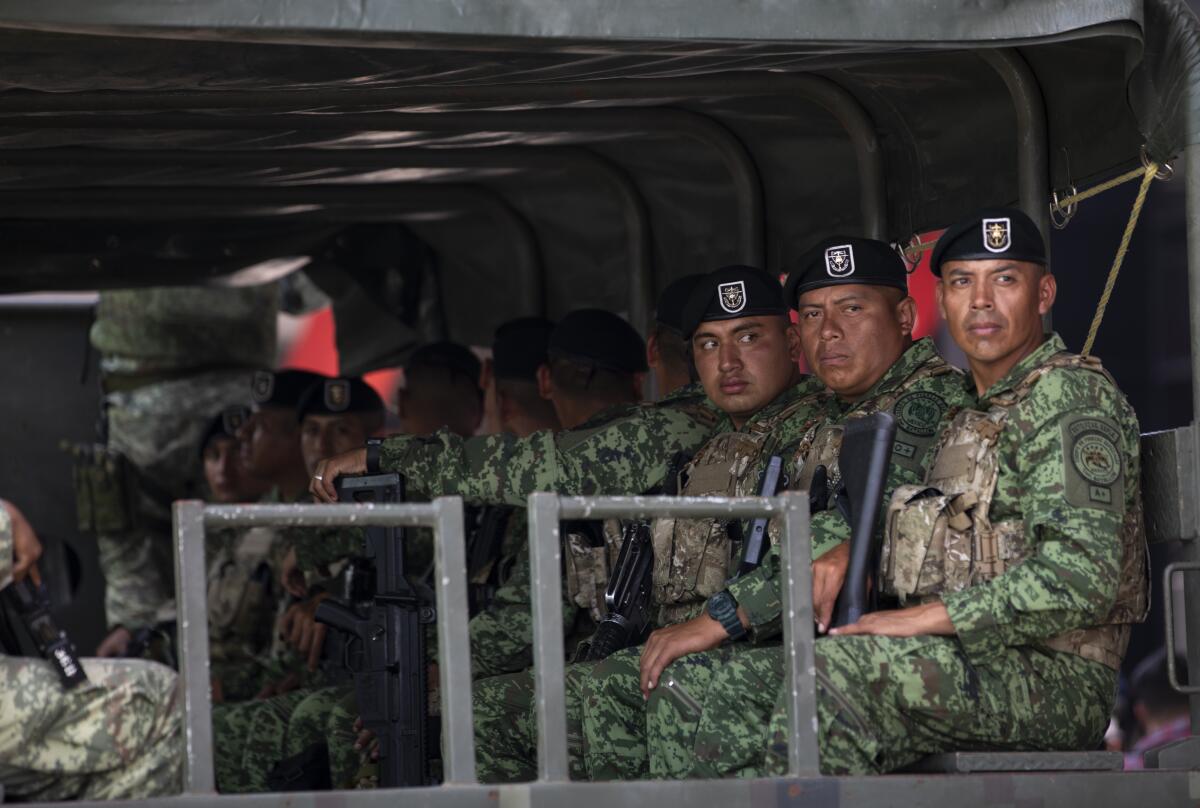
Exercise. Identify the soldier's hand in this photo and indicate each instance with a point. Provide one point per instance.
(829, 572)
(932, 618)
(666, 645)
(300, 629)
(323, 485)
(116, 644)
(26, 547)
(290, 576)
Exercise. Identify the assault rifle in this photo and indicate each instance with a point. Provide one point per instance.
(631, 583)
(385, 651)
(866, 451)
(28, 604)
(483, 556)
(755, 544)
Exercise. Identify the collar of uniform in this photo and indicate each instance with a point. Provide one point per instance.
(1052, 345)
(917, 354)
(784, 399)
(693, 390)
(607, 415)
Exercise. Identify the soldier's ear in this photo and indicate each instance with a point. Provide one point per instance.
(906, 315)
(1047, 292)
(544, 383)
(795, 348)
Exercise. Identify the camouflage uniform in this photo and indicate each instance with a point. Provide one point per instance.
(170, 358)
(692, 559)
(627, 737)
(116, 737)
(1042, 594)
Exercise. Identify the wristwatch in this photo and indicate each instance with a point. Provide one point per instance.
(373, 445)
(723, 608)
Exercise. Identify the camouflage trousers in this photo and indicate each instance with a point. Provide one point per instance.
(882, 704)
(157, 428)
(506, 726)
(615, 717)
(249, 738)
(118, 737)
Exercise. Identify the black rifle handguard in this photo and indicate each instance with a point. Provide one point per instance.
(627, 596)
(756, 542)
(867, 445)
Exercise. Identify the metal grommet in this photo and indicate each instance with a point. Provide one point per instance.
(1059, 217)
(1165, 171)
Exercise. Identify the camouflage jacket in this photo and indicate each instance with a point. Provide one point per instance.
(1072, 509)
(6, 548)
(627, 454)
(923, 405)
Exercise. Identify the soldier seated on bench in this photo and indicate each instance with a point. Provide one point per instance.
(1018, 565)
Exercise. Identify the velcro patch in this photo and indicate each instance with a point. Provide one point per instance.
(1093, 463)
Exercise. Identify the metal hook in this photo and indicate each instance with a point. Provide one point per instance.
(1059, 217)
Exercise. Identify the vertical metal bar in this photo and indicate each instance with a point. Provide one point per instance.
(799, 658)
(545, 557)
(191, 598)
(454, 651)
(1191, 544)
(1033, 150)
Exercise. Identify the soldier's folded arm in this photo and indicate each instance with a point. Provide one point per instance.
(1070, 576)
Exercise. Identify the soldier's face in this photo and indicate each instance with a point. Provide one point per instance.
(270, 442)
(323, 436)
(994, 309)
(223, 471)
(852, 334)
(745, 363)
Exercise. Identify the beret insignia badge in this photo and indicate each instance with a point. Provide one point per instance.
(732, 296)
(337, 395)
(997, 234)
(839, 261)
(262, 386)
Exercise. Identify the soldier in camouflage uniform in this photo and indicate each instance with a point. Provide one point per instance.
(116, 736)
(169, 358)
(1018, 564)
(746, 353)
(855, 324)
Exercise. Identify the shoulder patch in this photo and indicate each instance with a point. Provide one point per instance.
(919, 413)
(1094, 466)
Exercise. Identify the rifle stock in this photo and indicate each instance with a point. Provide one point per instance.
(867, 445)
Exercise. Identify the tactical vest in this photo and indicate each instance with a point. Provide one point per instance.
(241, 594)
(589, 558)
(822, 446)
(940, 538)
(693, 558)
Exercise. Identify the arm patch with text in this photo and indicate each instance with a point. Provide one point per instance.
(1093, 463)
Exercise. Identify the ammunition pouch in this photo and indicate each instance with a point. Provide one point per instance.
(105, 489)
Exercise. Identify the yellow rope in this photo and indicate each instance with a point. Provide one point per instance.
(1147, 177)
(1096, 190)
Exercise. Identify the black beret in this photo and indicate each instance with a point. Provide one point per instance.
(224, 425)
(730, 293)
(338, 397)
(989, 234)
(601, 338)
(449, 356)
(282, 388)
(519, 348)
(843, 260)
(673, 300)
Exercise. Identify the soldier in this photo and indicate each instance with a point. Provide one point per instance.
(441, 389)
(226, 476)
(1018, 564)
(667, 352)
(746, 353)
(855, 325)
(116, 736)
(169, 358)
(270, 437)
